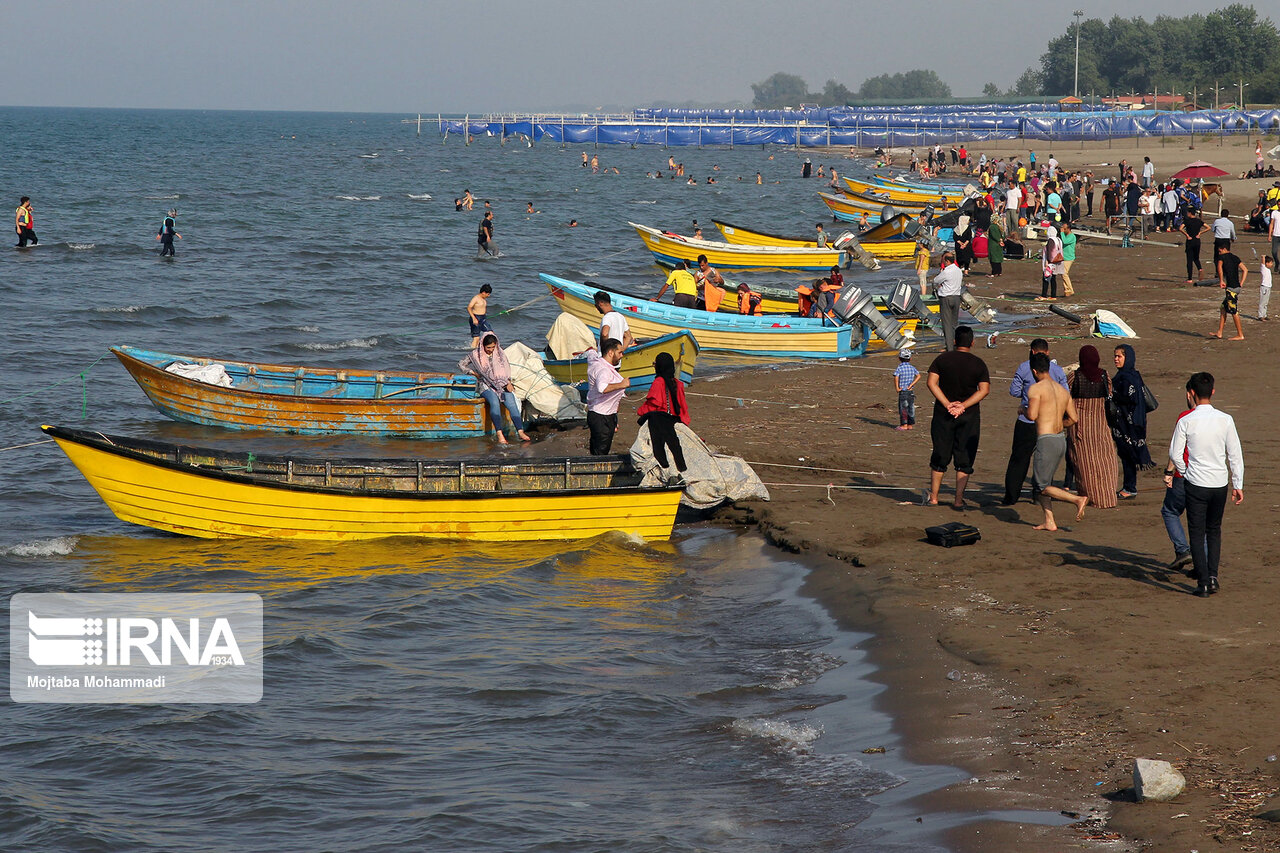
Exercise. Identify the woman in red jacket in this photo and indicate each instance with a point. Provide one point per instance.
(662, 407)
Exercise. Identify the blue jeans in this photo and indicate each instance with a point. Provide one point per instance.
(495, 408)
(1175, 501)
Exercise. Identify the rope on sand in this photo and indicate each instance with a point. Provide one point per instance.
(830, 486)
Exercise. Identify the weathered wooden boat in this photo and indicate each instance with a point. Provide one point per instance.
(882, 247)
(780, 337)
(939, 188)
(674, 248)
(311, 400)
(221, 494)
(637, 362)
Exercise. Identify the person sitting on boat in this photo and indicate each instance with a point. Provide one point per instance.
(711, 283)
(612, 324)
(662, 407)
(836, 279)
(686, 287)
(822, 237)
(489, 365)
(749, 301)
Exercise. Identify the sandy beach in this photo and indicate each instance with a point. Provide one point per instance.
(1070, 653)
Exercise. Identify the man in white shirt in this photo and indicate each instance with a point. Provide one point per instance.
(1224, 231)
(605, 387)
(1012, 201)
(612, 324)
(949, 286)
(1214, 464)
(1148, 172)
(1053, 167)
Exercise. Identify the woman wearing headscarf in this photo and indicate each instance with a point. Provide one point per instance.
(1092, 450)
(1051, 265)
(488, 364)
(1130, 427)
(995, 248)
(662, 407)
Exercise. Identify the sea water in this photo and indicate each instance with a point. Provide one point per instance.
(599, 695)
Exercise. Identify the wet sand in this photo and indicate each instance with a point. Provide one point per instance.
(1070, 653)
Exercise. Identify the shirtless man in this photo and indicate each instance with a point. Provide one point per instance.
(1051, 407)
(477, 309)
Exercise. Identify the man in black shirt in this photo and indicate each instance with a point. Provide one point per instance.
(484, 236)
(958, 381)
(1231, 275)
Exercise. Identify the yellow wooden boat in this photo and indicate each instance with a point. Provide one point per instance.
(888, 250)
(674, 247)
(220, 494)
(637, 362)
(902, 195)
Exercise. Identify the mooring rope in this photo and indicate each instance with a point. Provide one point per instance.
(84, 388)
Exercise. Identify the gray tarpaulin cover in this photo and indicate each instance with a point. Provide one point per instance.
(712, 478)
(537, 390)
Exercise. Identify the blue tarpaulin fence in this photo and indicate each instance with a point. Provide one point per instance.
(862, 128)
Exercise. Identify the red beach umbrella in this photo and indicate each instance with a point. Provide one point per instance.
(1199, 169)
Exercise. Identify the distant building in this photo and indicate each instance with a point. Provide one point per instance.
(1146, 102)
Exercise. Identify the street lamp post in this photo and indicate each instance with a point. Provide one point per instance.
(1077, 14)
(1242, 85)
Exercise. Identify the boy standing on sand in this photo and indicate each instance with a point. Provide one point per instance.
(1051, 407)
(905, 377)
(1231, 275)
(477, 308)
(1264, 287)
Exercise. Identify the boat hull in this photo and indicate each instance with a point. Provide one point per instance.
(210, 502)
(884, 249)
(728, 256)
(902, 194)
(312, 401)
(637, 362)
(780, 337)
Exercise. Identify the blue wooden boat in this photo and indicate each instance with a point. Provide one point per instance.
(311, 400)
(775, 336)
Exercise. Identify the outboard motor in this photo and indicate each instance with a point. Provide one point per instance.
(907, 302)
(887, 212)
(853, 305)
(911, 229)
(981, 310)
(970, 190)
(848, 243)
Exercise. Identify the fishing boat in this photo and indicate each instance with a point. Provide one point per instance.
(674, 247)
(217, 494)
(311, 400)
(637, 362)
(779, 337)
(937, 188)
(901, 194)
(883, 248)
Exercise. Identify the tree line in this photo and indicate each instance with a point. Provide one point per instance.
(788, 90)
(1167, 55)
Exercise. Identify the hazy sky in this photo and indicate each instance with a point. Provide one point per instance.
(488, 55)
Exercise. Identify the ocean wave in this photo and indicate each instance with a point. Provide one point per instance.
(420, 196)
(358, 197)
(57, 547)
(162, 197)
(368, 156)
(125, 309)
(354, 343)
(80, 247)
(645, 202)
(306, 328)
(793, 737)
(799, 667)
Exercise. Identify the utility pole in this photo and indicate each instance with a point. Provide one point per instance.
(1242, 85)
(1216, 90)
(1077, 14)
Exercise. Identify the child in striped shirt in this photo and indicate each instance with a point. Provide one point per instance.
(905, 376)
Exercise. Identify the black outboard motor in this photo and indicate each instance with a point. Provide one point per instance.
(848, 243)
(854, 305)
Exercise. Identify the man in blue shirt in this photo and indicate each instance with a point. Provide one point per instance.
(1024, 430)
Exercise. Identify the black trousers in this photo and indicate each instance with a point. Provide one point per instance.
(25, 236)
(602, 429)
(166, 246)
(1192, 249)
(1024, 446)
(662, 435)
(1204, 528)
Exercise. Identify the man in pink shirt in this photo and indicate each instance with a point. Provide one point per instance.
(605, 387)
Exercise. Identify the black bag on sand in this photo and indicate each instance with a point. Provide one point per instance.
(952, 533)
